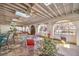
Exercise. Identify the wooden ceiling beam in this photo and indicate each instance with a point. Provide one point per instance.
(16, 7)
(51, 10)
(64, 9)
(37, 11)
(46, 12)
(57, 9)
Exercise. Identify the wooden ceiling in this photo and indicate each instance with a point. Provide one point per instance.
(39, 11)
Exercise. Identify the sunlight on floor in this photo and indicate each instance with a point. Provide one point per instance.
(67, 45)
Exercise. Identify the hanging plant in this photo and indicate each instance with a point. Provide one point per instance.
(13, 27)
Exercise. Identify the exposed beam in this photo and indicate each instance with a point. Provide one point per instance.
(38, 11)
(64, 9)
(26, 7)
(20, 4)
(8, 9)
(48, 10)
(57, 9)
(39, 15)
(39, 6)
(27, 4)
(72, 8)
(2, 8)
(41, 12)
(9, 6)
(34, 9)
(10, 14)
(16, 7)
(51, 10)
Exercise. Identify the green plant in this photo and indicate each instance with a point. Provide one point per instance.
(49, 47)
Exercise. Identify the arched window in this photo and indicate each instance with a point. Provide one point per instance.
(64, 29)
(32, 30)
(42, 29)
(27, 29)
(19, 29)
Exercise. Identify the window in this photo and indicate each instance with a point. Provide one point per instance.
(26, 15)
(64, 28)
(27, 29)
(42, 29)
(19, 28)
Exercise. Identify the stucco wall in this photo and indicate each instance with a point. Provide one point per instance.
(4, 28)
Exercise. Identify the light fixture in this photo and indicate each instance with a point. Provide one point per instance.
(47, 4)
(16, 20)
(26, 15)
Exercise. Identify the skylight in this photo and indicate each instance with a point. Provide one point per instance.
(22, 14)
(47, 4)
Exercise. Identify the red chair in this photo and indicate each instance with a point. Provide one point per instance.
(30, 43)
(49, 35)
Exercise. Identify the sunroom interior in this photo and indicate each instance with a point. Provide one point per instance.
(29, 29)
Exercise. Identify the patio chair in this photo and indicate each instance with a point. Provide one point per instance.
(4, 40)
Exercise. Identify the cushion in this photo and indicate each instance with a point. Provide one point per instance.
(30, 42)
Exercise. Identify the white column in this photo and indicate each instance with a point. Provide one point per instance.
(36, 27)
(50, 28)
(77, 32)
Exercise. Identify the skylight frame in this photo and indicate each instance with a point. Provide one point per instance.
(25, 15)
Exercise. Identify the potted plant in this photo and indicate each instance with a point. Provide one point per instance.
(49, 47)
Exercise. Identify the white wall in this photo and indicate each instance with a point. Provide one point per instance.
(77, 32)
(72, 17)
(4, 28)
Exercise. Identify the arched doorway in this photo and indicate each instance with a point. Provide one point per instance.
(32, 30)
(27, 29)
(65, 29)
(42, 30)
